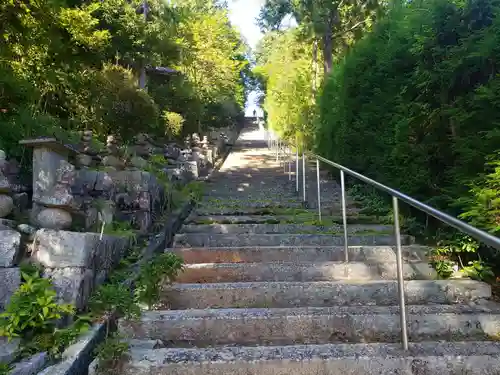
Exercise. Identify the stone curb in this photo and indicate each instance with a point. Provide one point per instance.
(78, 357)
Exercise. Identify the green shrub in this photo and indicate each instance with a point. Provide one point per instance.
(173, 124)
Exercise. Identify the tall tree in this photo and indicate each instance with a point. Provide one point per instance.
(328, 21)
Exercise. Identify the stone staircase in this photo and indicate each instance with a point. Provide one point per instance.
(267, 291)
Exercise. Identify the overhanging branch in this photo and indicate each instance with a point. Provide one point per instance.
(351, 29)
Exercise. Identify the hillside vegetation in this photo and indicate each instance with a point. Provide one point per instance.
(69, 65)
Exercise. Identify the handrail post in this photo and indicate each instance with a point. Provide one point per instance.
(285, 157)
(399, 264)
(297, 170)
(344, 215)
(304, 199)
(319, 189)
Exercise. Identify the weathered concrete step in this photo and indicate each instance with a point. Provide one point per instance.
(253, 179)
(318, 294)
(308, 271)
(426, 358)
(202, 328)
(225, 240)
(304, 217)
(259, 209)
(282, 228)
(243, 193)
(222, 204)
(196, 255)
(277, 202)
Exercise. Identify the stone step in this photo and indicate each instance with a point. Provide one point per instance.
(282, 228)
(261, 209)
(216, 204)
(307, 271)
(319, 294)
(358, 324)
(283, 202)
(244, 193)
(225, 240)
(426, 358)
(196, 255)
(272, 178)
(307, 216)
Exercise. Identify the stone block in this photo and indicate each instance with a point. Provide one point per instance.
(144, 220)
(73, 284)
(60, 249)
(21, 202)
(32, 365)
(144, 201)
(10, 280)
(8, 350)
(10, 245)
(104, 181)
(190, 170)
(86, 180)
(7, 224)
(27, 230)
(54, 218)
(6, 205)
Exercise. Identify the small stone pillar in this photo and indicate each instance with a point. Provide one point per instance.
(187, 142)
(84, 158)
(195, 140)
(48, 156)
(141, 152)
(204, 142)
(6, 201)
(112, 159)
(207, 151)
(58, 202)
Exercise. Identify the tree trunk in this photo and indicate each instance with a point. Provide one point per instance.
(328, 41)
(327, 52)
(315, 68)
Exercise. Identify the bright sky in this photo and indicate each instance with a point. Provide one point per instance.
(243, 14)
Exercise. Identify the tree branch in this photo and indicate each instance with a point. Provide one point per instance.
(350, 29)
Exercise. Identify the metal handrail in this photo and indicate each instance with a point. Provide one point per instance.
(396, 196)
(445, 218)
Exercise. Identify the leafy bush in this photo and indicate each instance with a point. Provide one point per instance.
(173, 124)
(392, 112)
(34, 315)
(163, 268)
(111, 354)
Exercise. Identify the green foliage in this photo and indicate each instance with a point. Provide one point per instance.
(33, 309)
(121, 229)
(72, 65)
(193, 190)
(111, 354)
(483, 203)
(452, 252)
(113, 298)
(393, 113)
(5, 368)
(34, 314)
(478, 270)
(173, 124)
(154, 274)
(286, 70)
(414, 104)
